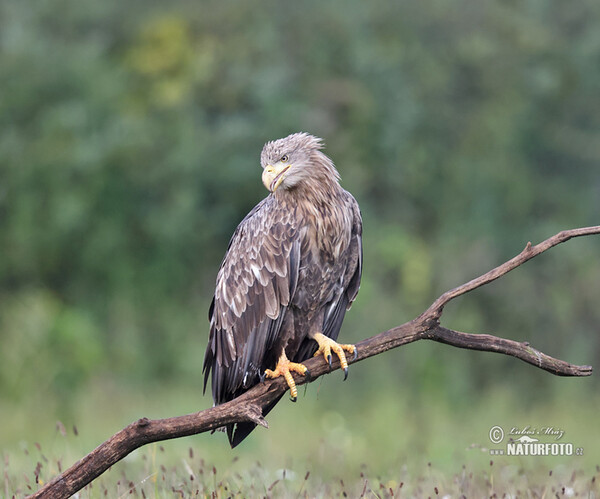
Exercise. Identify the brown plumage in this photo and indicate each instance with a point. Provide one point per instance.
(292, 269)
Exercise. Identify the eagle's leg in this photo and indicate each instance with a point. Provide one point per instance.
(284, 368)
(326, 345)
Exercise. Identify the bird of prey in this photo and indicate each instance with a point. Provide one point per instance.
(292, 269)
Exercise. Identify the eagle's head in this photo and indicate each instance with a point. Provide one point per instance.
(297, 158)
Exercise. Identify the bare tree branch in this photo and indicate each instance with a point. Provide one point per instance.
(249, 406)
(527, 254)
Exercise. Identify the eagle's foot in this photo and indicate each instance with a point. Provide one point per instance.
(327, 345)
(285, 368)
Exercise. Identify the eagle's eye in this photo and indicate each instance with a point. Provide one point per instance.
(285, 158)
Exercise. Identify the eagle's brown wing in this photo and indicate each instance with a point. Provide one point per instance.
(255, 282)
(352, 273)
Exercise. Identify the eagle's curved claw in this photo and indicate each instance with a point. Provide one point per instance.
(285, 368)
(326, 345)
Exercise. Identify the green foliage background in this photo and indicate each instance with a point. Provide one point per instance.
(130, 135)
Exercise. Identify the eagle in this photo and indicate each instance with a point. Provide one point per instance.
(291, 271)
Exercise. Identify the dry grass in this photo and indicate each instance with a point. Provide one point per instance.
(156, 472)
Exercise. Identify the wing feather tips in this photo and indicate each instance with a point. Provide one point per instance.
(354, 284)
(271, 302)
(283, 290)
(356, 254)
(233, 372)
(294, 267)
(207, 366)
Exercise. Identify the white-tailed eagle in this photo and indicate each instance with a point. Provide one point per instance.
(292, 269)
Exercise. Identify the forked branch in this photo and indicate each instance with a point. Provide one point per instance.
(249, 406)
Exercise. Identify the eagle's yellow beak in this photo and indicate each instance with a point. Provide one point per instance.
(272, 176)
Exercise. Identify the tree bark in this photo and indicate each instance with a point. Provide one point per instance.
(249, 406)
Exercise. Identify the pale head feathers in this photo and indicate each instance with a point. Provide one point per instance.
(302, 152)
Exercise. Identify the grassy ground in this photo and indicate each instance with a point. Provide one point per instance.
(156, 472)
(362, 446)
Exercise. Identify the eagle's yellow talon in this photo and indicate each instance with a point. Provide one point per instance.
(285, 368)
(325, 350)
(326, 345)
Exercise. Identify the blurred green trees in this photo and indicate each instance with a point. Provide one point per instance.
(130, 137)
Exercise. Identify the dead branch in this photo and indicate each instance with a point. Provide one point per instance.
(249, 406)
